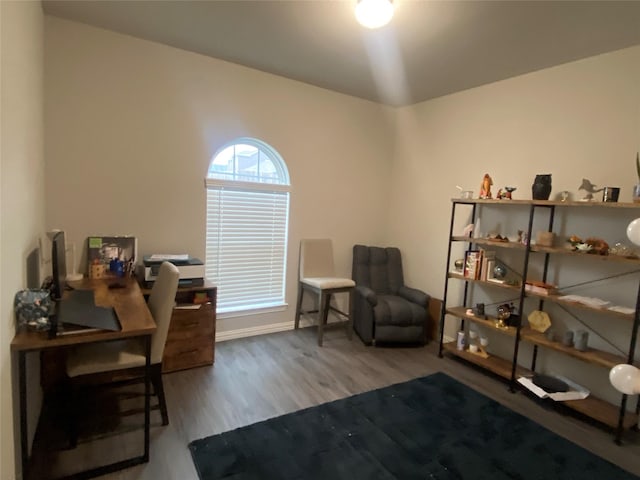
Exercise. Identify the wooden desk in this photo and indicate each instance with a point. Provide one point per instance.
(135, 321)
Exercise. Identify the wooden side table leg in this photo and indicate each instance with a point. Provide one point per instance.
(24, 435)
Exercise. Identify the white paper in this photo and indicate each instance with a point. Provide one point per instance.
(577, 392)
(157, 257)
(589, 301)
(619, 309)
(528, 383)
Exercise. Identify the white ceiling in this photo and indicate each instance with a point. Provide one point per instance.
(431, 47)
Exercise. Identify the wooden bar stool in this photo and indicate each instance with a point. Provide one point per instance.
(316, 275)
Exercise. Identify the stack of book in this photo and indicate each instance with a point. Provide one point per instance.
(479, 264)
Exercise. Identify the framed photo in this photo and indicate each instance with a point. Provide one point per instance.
(472, 264)
(101, 250)
(491, 263)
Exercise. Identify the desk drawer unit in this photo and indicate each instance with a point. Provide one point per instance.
(191, 338)
(189, 354)
(192, 331)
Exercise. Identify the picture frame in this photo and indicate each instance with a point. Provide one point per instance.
(472, 264)
(102, 249)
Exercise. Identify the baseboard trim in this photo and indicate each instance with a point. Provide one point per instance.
(265, 329)
(253, 331)
(274, 328)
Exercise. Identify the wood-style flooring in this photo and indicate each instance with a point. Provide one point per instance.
(257, 378)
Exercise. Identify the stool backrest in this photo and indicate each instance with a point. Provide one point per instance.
(316, 258)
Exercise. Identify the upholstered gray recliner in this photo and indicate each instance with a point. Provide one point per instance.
(385, 310)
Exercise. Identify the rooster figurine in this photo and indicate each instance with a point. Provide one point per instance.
(590, 188)
(485, 187)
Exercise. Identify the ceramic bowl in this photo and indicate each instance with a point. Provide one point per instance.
(583, 247)
(466, 194)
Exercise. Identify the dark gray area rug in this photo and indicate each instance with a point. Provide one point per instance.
(429, 428)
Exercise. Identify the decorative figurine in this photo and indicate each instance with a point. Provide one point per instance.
(541, 188)
(499, 272)
(485, 187)
(509, 191)
(459, 264)
(506, 195)
(503, 313)
(590, 188)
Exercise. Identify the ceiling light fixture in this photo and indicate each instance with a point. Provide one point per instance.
(374, 13)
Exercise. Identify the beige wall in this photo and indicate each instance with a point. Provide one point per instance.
(22, 188)
(128, 121)
(579, 120)
(132, 126)
(576, 120)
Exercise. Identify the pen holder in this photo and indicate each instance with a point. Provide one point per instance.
(116, 267)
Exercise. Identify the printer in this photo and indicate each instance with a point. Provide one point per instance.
(191, 269)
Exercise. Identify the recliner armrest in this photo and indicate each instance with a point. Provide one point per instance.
(414, 296)
(368, 294)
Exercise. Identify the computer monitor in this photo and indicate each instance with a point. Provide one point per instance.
(58, 265)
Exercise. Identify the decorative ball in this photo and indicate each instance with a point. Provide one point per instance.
(499, 272)
(458, 264)
(633, 231)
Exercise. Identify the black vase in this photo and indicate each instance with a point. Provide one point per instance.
(541, 188)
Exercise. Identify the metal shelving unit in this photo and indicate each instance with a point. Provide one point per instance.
(612, 415)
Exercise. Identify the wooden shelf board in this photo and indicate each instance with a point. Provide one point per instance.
(547, 203)
(592, 407)
(602, 411)
(460, 312)
(567, 251)
(555, 298)
(596, 357)
(494, 364)
(459, 276)
(487, 241)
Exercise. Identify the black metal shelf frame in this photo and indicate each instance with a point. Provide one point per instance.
(551, 207)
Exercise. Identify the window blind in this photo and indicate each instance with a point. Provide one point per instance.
(246, 245)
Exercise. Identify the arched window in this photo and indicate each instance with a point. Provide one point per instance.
(247, 220)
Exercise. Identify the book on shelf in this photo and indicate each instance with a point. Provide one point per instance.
(487, 264)
(472, 264)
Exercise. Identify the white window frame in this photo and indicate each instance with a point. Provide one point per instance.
(231, 249)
